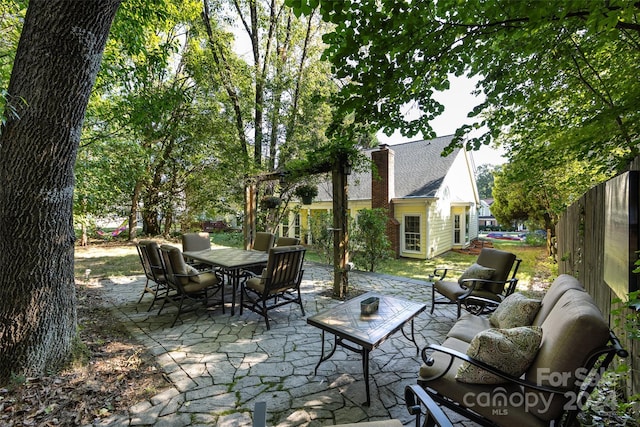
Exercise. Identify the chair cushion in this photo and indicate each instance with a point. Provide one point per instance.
(510, 350)
(451, 290)
(516, 310)
(206, 278)
(196, 241)
(575, 323)
(152, 252)
(176, 260)
(256, 283)
(476, 271)
(264, 241)
(502, 261)
(468, 326)
(193, 287)
(560, 285)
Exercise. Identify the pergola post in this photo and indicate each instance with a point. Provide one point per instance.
(250, 212)
(339, 176)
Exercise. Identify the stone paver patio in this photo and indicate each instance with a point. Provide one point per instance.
(221, 365)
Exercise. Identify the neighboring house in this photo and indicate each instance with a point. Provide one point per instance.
(486, 218)
(432, 200)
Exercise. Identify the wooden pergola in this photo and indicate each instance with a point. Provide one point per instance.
(340, 170)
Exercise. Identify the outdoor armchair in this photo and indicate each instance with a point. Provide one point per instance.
(482, 286)
(279, 283)
(187, 285)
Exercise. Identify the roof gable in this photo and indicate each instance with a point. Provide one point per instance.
(419, 167)
(419, 170)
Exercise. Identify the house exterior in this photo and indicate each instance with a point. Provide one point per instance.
(432, 200)
(486, 218)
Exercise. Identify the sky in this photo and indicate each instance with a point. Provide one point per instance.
(458, 102)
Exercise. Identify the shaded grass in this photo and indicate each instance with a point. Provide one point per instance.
(533, 266)
(121, 259)
(107, 261)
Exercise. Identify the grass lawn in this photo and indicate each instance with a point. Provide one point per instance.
(119, 258)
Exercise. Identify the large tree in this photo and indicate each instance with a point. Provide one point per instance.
(139, 140)
(55, 67)
(484, 180)
(563, 72)
(276, 94)
(538, 185)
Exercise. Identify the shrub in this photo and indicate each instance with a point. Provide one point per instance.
(369, 243)
(322, 237)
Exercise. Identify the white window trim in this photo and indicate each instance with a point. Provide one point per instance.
(422, 240)
(460, 230)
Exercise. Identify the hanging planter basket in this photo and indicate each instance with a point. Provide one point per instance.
(306, 193)
(270, 202)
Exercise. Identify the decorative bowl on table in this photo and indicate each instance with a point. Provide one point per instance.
(369, 305)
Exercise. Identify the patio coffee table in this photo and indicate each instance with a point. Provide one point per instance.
(350, 328)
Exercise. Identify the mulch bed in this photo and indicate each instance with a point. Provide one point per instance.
(115, 373)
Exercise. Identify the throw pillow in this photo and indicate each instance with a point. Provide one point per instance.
(510, 350)
(516, 310)
(477, 271)
(193, 273)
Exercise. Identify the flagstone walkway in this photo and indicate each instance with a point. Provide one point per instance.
(221, 365)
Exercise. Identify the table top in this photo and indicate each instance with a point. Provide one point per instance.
(230, 258)
(367, 330)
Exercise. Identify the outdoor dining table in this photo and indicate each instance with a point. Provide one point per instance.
(231, 261)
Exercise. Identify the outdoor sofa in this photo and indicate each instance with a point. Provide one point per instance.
(531, 363)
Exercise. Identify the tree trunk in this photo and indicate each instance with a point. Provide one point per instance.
(133, 215)
(151, 207)
(340, 230)
(56, 64)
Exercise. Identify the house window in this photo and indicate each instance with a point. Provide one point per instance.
(296, 225)
(466, 227)
(456, 229)
(412, 233)
(284, 227)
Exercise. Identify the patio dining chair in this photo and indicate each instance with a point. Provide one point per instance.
(187, 285)
(482, 286)
(287, 241)
(263, 241)
(196, 242)
(278, 285)
(156, 281)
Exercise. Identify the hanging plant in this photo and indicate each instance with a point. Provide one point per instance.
(306, 192)
(270, 202)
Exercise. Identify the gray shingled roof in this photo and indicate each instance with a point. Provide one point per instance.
(419, 171)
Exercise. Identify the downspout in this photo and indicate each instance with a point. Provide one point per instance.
(428, 248)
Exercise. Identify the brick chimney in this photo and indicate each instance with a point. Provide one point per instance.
(383, 190)
(382, 182)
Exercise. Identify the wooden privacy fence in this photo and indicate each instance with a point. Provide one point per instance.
(581, 251)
